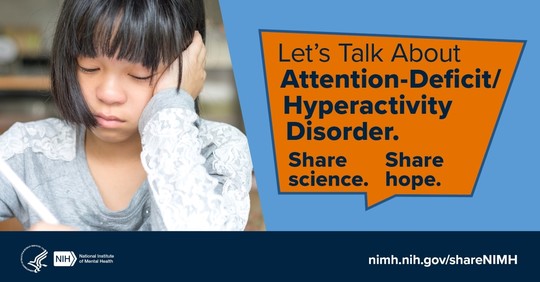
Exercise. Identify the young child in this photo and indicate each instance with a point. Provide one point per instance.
(131, 152)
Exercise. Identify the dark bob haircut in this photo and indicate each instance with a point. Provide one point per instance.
(150, 32)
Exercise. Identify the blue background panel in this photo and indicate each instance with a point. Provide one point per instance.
(507, 192)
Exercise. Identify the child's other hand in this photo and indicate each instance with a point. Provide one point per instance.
(193, 64)
(42, 226)
(193, 72)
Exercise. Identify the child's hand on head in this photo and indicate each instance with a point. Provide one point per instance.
(193, 66)
(193, 69)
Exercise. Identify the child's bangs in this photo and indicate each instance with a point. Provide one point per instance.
(130, 33)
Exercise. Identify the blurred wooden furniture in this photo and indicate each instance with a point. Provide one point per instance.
(11, 225)
(20, 82)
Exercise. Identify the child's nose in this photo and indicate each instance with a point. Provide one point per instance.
(110, 92)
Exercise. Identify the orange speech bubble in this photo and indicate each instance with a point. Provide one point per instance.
(383, 115)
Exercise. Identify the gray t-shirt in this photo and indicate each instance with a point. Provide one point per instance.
(198, 173)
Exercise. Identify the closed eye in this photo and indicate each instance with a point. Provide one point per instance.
(88, 70)
(142, 77)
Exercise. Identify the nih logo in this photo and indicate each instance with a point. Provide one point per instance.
(64, 259)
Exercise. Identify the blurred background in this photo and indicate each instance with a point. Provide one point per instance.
(26, 32)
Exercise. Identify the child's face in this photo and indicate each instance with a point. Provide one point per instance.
(116, 92)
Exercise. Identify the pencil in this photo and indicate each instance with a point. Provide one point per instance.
(27, 194)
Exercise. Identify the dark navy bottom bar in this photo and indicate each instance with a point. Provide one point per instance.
(196, 256)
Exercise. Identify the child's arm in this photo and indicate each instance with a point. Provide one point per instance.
(200, 174)
(199, 177)
(15, 198)
(50, 223)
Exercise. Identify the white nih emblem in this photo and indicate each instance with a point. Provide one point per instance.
(64, 258)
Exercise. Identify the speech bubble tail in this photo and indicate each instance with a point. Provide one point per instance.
(373, 199)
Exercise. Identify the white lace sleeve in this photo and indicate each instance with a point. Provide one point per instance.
(199, 177)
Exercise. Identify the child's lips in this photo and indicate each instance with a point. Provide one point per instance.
(108, 121)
